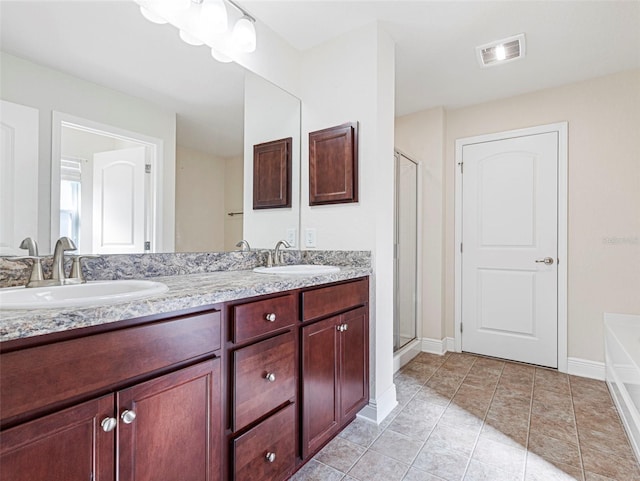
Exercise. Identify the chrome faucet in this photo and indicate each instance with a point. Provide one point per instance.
(57, 269)
(244, 246)
(277, 254)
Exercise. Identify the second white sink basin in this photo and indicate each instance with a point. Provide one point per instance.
(298, 269)
(95, 292)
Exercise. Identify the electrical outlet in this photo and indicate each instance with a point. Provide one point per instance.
(291, 236)
(310, 237)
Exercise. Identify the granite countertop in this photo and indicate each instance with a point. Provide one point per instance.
(185, 292)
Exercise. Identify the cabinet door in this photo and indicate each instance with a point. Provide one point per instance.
(176, 431)
(354, 363)
(69, 445)
(319, 383)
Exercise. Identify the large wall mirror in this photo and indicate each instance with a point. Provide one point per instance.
(144, 143)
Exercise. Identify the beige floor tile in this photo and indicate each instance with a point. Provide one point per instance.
(478, 471)
(415, 474)
(457, 416)
(507, 458)
(565, 430)
(539, 469)
(361, 432)
(340, 454)
(374, 466)
(408, 425)
(315, 471)
(397, 446)
(447, 464)
(516, 441)
(555, 450)
(606, 464)
(428, 394)
(445, 437)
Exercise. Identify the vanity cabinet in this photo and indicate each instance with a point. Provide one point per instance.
(262, 415)
(142, 402)
(335, 360)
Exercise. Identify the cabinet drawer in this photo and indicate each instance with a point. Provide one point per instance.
(256, 393)
(47, 376)
(254, 318)
(325, 301)
(266, 452)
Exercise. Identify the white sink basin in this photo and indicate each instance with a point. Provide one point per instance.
(95, 292)
(298, 270)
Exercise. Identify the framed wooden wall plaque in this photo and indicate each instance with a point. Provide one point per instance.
(272, 174)
(333, 165)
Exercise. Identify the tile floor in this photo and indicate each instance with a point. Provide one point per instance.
(465, 417)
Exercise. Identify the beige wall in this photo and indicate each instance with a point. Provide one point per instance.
(200, 201)
(421, 137)
(604, 194)
(233, 175)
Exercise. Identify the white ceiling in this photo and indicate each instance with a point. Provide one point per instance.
(111, 44)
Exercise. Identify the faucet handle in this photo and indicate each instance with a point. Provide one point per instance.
(76, 276)
(36, 270)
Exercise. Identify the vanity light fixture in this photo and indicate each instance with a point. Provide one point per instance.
(205, 22)
(501, 51)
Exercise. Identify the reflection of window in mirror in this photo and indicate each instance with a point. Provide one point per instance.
(70, 199)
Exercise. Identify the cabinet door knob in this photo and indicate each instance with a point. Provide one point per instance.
(345, 327)
(270, 457)
(270, 376)
(128, 416)
(109, 424)
(271, 317)
(339, 328)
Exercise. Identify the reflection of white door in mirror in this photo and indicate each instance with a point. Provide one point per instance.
(119, 201)
(18, 176)
(116, 209)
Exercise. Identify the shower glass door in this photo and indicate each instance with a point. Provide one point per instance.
(406, 251)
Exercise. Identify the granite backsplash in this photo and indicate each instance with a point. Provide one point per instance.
(137, 266)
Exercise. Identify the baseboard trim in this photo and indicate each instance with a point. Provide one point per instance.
(405, 354)
(379, 408)
(438, 346)
(586, 368)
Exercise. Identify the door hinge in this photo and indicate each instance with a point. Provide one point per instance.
(460, 247)
(460, 328)
(147, 245)
(147, 168)
(461, 164)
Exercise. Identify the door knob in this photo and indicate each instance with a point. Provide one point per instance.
(271, 317)
(270, 457)
(270, 376)
(547, 261)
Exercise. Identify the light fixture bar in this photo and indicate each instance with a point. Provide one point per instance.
(241, 10)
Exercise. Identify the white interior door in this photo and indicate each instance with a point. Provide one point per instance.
(119, 201)
(18, 176)
(509, 227)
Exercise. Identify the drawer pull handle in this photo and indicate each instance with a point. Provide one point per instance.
(109, 424)
(271, 317)
(270, 457)
(342, 327)
(339, 328)
(270, 376)
(128, 416)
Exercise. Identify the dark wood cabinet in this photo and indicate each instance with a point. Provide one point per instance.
(333, 165)
(69, 445)
(272, 174)
(155, 412)
(176, 430)
(335, 372)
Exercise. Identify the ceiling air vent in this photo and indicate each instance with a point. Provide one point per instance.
(501, 51)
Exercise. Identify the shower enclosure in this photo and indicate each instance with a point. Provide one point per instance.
(406, 251)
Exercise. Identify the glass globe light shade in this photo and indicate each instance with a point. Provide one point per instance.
(244, 35)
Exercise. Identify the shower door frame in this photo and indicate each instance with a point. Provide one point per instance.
(413, 347)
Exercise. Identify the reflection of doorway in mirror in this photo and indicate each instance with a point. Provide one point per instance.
(104, 184)
(18, 176)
